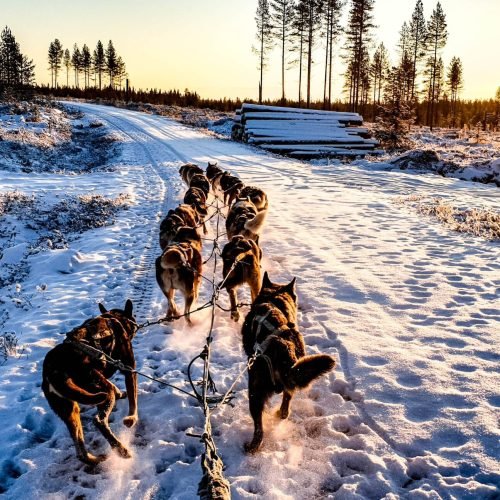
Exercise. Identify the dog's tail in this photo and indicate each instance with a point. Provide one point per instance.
(69, 390)
(308, 368)
(257, 222)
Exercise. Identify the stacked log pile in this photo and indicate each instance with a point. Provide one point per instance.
(303, 133)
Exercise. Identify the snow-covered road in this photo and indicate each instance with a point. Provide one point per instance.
(409, 308)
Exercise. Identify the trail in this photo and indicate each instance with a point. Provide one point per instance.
(408, 308)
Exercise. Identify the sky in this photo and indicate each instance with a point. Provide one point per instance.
(206, 46)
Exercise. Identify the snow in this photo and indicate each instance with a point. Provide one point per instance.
(408, 308)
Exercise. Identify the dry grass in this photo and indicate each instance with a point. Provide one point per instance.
(11, 201)
(478, 222)
(9, 347)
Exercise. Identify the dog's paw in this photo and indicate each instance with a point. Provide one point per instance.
(235, 316)
(283, 414)
(122, 451)
(251, 447)
(93, 460)
(122, 395)
(130, 420)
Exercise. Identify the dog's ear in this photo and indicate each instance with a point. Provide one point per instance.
(266, 282)
(102, 308)
(291, 286)
(128, 308)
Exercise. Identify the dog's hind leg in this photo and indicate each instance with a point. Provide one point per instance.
(172, 308)
(233, 298)
(69, 412)
(101, 419)
(259, 391)
(284, 410)
(188, 302)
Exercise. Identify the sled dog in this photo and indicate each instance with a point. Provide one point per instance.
(270, 329)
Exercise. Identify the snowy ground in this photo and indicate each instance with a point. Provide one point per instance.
(408, 307)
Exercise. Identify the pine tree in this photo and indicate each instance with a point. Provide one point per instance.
(10, 55)
(298, 42)
(379, 70)
(282, 12)
(417, 41)
(67, 64)
(121, 72)
(111, 63)
(27, 71)
(332, 13)
(396, 114)
(55, 57)
(99, 62)
(86, 63)
(264, 37)
(76, 61)
(497, 107)
(455, 84)
(358, 34)
(313, 10)
(436, 40)
(406, 61)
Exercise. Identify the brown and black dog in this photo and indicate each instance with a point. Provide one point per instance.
(179, 268)
(183, 215)
(244, 219)
(241, 264)
(197, 198)
(270, 329)
(230, 185)
(256, 196)
(187, 171)
(213, 171)
(200, 181)
(72, 376)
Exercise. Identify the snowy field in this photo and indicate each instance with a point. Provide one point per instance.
(408, 307)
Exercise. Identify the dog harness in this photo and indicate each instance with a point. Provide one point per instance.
(261, 347)
(91, 344)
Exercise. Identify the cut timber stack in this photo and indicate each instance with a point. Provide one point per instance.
(303, 133)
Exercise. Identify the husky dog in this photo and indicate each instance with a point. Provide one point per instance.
(183, 215)
(179, 268)
(213, 171)
(230, 185)
(241, 258)
(73, 375)
(200, 181)
(270, 329)
(244, 219)
(187, 171)
(256, 196)
(197, 199)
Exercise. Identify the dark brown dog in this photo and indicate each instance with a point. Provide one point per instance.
(183, 215)
(230, 185)
(212, 171)
(241, 264)
(244, 219)
(187, 171)
(256, 196)
(200, 181)
(72, 376)
(179, 268)
(197, 199)
(270, 329)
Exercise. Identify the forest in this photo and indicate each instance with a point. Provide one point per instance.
(419, 87)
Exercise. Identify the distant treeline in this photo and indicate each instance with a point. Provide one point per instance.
(101, 67)
(416, 85)
(477, 112)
